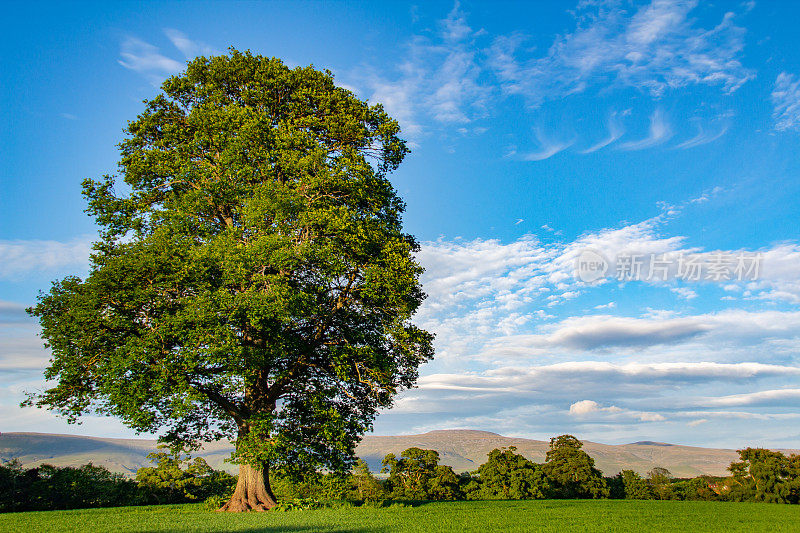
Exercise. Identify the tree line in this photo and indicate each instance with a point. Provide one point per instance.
(568, 472)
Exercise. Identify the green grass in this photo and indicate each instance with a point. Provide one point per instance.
(548, 515)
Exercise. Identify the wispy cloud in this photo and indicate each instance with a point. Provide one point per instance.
(449, 76)
(20, 258)
(703, 137)
(660, 132)
(547, 147)
(655, 48)
(615, 131)
(786, 102)
(148, 60)
(188, 47)
(12, 313)
(438, 80)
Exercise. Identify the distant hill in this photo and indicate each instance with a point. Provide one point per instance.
(467, 450)
(461, 449)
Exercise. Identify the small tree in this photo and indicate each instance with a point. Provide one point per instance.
(703, 488)
(636, 488)
(417, 475)
(11, 485)
(253, 283)
(572, 471)
(507, 475)
(367, 488)
(444, 485)
(660, 480)
(177, 478)
(48, 487)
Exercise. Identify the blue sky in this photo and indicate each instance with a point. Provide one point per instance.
(646, 132)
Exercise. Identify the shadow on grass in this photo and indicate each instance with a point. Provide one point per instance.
(321, 529)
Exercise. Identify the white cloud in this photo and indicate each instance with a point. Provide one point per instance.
(12, 313)
(525, 399)
(486, 299)
(762, 334)
(559, 379)
(773, 397)
(786, 102)
(649, 417)
(20, 258)
(585, 407)
(605, 331)
(655, 48)
(684, 292)
(21, 350)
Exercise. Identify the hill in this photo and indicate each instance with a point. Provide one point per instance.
(461, 449)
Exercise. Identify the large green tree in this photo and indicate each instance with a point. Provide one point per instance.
(252, 280)
(765, 476)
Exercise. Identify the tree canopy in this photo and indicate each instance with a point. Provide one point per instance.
(252, 280)
(571, 470)
(507, 475)
(635, 487)
(417, 475)
(766, 476)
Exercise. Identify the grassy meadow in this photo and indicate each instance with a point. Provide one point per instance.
(537, 515)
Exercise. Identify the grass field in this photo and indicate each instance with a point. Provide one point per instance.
(556, 516)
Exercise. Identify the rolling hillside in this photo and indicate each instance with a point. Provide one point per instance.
(461, 449)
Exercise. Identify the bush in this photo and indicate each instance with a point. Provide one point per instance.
(175, 478)
(48, 487)
(301, 504)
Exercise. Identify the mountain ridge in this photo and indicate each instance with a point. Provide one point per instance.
(463, 449)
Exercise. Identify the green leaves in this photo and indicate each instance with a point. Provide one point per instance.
(176, 478)
(572, 471)
(507, 475)
(766, 476)
(417, 475)
(254, 281)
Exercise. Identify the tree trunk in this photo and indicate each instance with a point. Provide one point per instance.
(252, 493)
